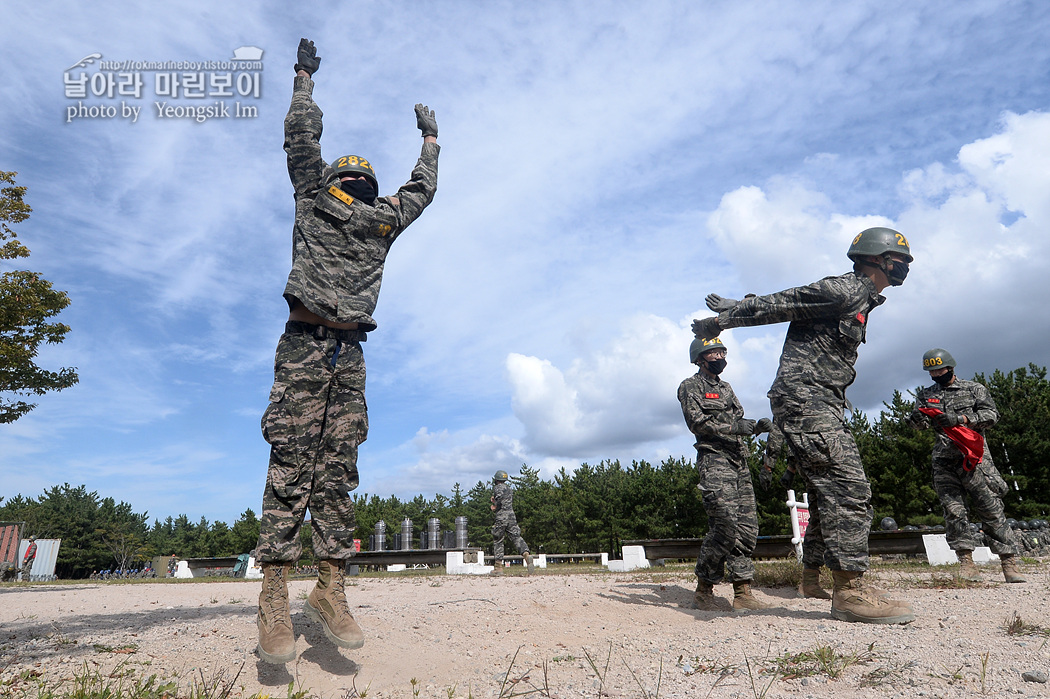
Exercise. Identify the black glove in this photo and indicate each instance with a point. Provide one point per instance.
(743, 426)
(425, 121)
(718, 303)
(948, 419)
(706, 328)
(308, 58)
(765, 478)
(763, 425)
(787, 478)
(918, 421)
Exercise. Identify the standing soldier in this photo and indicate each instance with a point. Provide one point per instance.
(27, 560)
(715, 416)
(828, 322)
(172, 565)
(506, 523)
(813, 541)
(317, 415)
(960, 411)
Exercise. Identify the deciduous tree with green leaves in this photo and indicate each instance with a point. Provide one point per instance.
(27, 301)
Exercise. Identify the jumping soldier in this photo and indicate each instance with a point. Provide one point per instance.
(317, 415)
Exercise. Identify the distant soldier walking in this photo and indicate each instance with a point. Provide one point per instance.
(828, 322)
(317, 416)
(27, 560)
(960, 411)
(506, 523)
(716, 418)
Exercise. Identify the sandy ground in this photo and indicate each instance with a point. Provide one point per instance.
(458, 636)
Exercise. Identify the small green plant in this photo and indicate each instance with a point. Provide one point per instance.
(822, 660)
(127, 648)
(885, 674)
(415, 686)
(603, 673)
(645, 692)
(1016, 626)
(234, 600)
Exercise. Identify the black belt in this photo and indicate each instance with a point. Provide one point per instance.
(322, 332)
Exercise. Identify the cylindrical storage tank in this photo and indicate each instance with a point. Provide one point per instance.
(406, 535)
(461, 532)
(433, 533)
(380, 536)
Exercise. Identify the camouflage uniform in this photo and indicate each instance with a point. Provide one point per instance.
(813, 543)
(828, 320)
(506, 523)
(317, 414)
(710, 409)
(953, 483)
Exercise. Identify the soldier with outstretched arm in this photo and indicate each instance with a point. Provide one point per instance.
(828, 321)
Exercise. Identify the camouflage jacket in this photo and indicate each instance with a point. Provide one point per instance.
(962, 397)
(828, 321)
(339, 244)
(710, 408)
(503, 497)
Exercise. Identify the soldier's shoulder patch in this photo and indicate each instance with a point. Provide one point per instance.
(712, 395)
(862, 318)
(340, 195)
(933, 400)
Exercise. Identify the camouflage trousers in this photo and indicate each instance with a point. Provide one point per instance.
(27, 568)
(953, 484)
(839, 497)
(315, 421)
(732, 519)
(506, 526)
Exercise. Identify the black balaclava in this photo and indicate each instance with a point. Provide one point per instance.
(945, 378)
(360, 189)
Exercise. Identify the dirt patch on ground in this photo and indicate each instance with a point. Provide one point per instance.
(437, 635)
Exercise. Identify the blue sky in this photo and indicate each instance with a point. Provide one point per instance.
(604, 167)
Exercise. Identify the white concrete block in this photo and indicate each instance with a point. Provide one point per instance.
(634, 557)
(983, 554)
(396, 567)
(253, 571)
(937, 551)
(540, 560)
(182, 570)
(605, 560)
(454, 564)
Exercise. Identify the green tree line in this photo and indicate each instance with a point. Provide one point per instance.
(591, 509)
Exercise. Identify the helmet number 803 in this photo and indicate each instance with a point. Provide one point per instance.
(933, 361)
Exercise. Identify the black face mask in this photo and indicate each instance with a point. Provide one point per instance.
(898, 273)
(715, 366)
(359, 189)
(945, 378)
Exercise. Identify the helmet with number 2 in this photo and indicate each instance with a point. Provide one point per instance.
(356, 165)
(876, 242)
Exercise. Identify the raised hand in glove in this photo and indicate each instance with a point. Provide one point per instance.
(763, 425)
(949, 419)
(425, 121)
(743, 426)
(706, 328)
(308, 58)
(787, 478)
(765, 478)
(718, 303)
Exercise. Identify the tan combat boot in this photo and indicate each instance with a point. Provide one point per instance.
(852, 600)
(528, 562)
(967, 569)
(704, 598)
(1010, 571)
(743, 599)
(810, 586)
(276, 638)
(327, 604)
(497, 567)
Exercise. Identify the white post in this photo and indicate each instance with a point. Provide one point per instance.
(799, 520)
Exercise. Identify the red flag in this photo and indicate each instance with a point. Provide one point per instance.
(970, 442)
